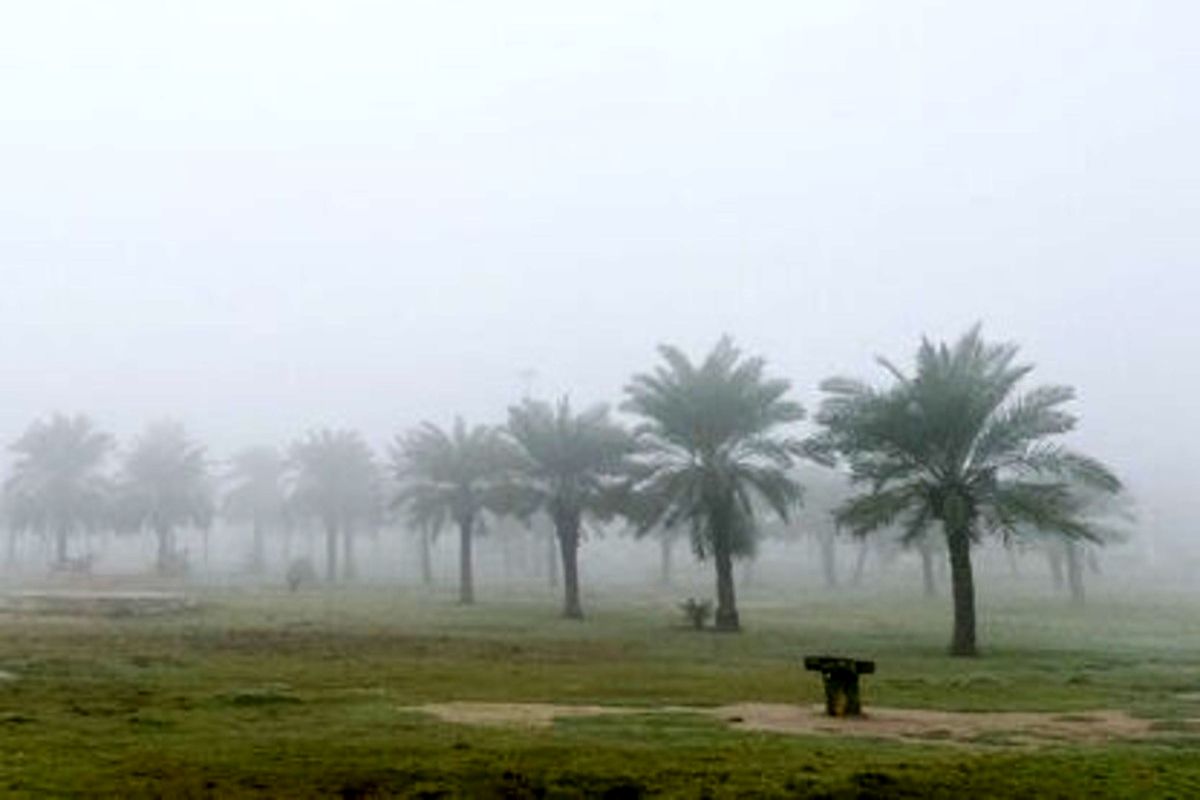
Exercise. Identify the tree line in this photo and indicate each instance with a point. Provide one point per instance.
(949, 448)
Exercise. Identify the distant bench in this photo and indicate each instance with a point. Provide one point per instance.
(840, 675)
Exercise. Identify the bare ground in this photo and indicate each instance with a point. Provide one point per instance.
(994, 728)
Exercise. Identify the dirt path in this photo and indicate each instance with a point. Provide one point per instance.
(981, 728)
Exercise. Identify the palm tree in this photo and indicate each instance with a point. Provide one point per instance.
(166, 485)
(336, 482)
(954, 444)
(569, 466)
(257, 495)
(58, 484)
(715, 449)
(458, 475)
(1107, 516)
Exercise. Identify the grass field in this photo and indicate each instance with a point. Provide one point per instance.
(266, 693)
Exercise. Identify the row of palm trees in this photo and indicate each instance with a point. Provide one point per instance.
(712, 447)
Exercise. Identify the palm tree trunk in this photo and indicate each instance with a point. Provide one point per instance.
(1075, 572)
(567, 530)
(331, 554)
(466, 578)
(666, 544)
(506, 556)
(349, 568)
(165, 547)
(257, 556)
(828, 559)
(288, 530)
(962, 583)
(927, 576)
(1054, 556)
(861, 563)
(11, 558)
(552, 561)
(205, 532)
(60, 544)
(426, 556)
(727, 615)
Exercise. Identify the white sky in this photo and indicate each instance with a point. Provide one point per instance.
(264, 216)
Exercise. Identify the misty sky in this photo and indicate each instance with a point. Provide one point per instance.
(260, 217)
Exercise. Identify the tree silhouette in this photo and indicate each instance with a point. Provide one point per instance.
(58, 486)
(257, 495)
(166, 485)
(569, 466)
(714, 450)
(336, 482)
(953, 444)
(453, 475)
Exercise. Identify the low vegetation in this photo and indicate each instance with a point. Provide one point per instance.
(274, 694)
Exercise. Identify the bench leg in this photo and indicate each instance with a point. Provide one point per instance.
(841, 693)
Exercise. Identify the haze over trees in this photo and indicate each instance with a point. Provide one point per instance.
(715, 448)
(458, 475)
(954, 445)
(569, 466)
(58, 484)
(257, 495)
(165, 485)
(938, 459)
(336, 483)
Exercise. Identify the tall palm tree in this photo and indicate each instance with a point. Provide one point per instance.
(715, 450)
(459, 475)
(954, 445)
(337, 482)
(257, 495)
(58, 484)
(569, 466)
(166, 485)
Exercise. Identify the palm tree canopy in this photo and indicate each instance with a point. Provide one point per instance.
(452, 474)
(336, 476)
(257, 484)
(714, 445)
(166, 481)
(954, 442)
(58, 481)
(568, 463)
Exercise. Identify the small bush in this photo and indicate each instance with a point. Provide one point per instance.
(300, 573)
(272, 695)
(697, 612)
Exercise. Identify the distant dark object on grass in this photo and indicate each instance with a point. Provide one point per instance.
(271, 695)
(300, 573)
(697, 612)
(840, 675)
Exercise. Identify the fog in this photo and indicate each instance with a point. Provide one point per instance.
(263, 218)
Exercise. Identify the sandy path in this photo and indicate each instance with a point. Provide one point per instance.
(1012, 728)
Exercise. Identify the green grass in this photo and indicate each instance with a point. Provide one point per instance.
(265, 693)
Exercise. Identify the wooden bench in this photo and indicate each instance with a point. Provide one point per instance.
(840, 675)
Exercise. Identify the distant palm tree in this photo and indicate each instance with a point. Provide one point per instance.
(58, 485)
(953, 444)
(337, 482)
(457, 475)
(257, 495)
(569, 466)
(1108, 515)
(715, 451)
(166, 485)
